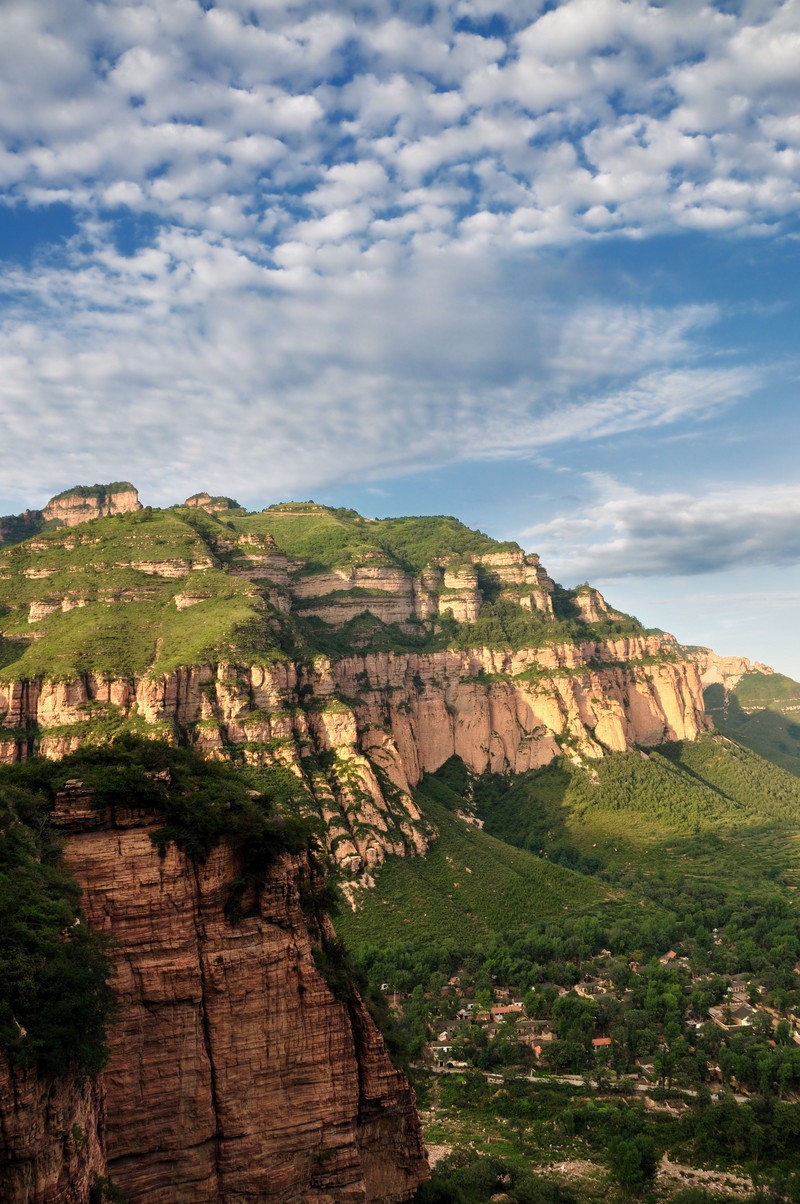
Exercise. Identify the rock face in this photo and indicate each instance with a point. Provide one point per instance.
(396, 596)
(235, 1073)
(359, 732)
(51, 1138)
(214, 505)
(87, 502)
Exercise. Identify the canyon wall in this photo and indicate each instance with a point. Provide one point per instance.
(235, 1072)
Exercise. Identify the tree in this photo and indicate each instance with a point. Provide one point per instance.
(633, 1163)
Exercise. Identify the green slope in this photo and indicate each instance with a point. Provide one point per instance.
(763, 713)
(469, 885)
(122, 617)
(711, 811)
(109, 595)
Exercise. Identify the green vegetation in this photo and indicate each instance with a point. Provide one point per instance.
(710, 807)
(695, 846)
(220, 502)
(468, 881)
(54, 1001)
(760, 713)
(768, 690)
(467, 1177)
(98, 491)
(14, 528)
(315, 534)
(119, 578)
(417, 542)
(520, 1124)
(152, 591)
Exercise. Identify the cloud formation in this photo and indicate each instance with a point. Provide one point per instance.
(308, 126)
(624, 532)
(313, 238)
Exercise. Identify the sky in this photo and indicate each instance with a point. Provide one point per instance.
(533, 264)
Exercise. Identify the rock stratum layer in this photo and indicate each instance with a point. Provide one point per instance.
(235, 1073)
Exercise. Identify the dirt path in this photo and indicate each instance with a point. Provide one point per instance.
(689, 1176)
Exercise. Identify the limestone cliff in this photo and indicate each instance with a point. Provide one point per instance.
(235, 1072)
(726, 671)
(356, 654)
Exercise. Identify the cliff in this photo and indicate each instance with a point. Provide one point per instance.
(358, 732)
(235, 1071)
(83, 503)
(726, 671)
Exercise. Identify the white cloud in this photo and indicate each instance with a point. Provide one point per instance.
(274, 381)
(628, 115)
(625, 532)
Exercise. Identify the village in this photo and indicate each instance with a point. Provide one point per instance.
(583, 1032)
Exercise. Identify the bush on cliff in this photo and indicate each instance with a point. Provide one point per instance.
(54, 1000)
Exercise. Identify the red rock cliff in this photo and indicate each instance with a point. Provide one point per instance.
(387, 716)
(234, 1073)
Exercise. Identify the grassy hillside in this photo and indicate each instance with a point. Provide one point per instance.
(710, 811)
(115, 610)
(688, 828)
(468, 884)
(110, 595)
(763, 713)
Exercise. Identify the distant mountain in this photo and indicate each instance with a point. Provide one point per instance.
(754, 705)
(80, 504)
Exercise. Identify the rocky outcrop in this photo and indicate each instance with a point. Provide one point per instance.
(87, 502)
(214, 505)
(521, 578)
(52, 1141)
(726, 671)
(395, 596)
(235, 1071)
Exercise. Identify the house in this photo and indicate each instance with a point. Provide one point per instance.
(727, 1017)
(600, 1043)
(534, 1032)
(509, 1009)
(441, 1052)
(668, 958)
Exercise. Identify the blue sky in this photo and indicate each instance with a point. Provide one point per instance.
(534, 264)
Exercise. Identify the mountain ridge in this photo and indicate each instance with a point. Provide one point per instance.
(353, 654)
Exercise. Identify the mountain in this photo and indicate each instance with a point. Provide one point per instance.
(352, 654)
(240, 1061)
(71, 508)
